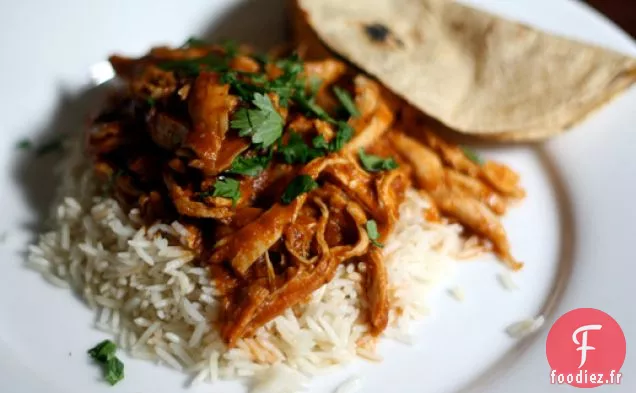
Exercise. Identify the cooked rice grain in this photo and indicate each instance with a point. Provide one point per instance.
(147, 291)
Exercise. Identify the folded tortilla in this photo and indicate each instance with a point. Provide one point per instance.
(475, 72)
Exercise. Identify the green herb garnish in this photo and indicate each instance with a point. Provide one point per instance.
(261, 58)
(288, 84)
(104, 353)
(114, 371)
(343, 135)
(250, 166)
(291, 66)
(472, 155)
(244, 89)
(300, 185)
(296, 151)
(151, 101)
(263, 124)
(309, 107)
(319, 142)
(347, 102)
(227, 188)
(192, 67)
(373, 163)
(372, 231)
(24, 144)
(314, 85)
(194, 42)
(231, 48)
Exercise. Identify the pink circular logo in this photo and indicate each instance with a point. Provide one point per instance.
(585, 348)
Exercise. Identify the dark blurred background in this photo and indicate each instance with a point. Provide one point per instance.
(623, 12)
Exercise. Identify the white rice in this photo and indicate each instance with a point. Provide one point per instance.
(506, 281)
(525, 327)
(457, 293)
(147, 291)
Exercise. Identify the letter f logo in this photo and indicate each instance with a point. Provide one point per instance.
(583, 344)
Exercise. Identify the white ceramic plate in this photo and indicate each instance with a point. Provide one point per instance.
(575, 230)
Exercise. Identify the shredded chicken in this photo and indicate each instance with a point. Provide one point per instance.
(273, 219)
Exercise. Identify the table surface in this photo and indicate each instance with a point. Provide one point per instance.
(622, 12)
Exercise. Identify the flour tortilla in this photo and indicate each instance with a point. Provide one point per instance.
(475, 72)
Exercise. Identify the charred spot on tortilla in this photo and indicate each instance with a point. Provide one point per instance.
(377, 32)
(380, 33)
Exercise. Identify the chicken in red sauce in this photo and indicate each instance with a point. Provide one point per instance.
(281, 170)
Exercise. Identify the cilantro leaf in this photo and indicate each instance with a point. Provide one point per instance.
(228, 188)
(309, 106)
(243, 89)
(288, 83)
(231, 48)
(296, 151)
(103, 351)
(472, 155)
(263, 124)
(261, 58)
(300, 185)
(192, 67)
(194, 42)
(24, 144)
(319, 142)
(375, 163)
(114, 371)
(372, 231)
(314, 85)
(347, 102)
(250, 166)
(343, 135)
(291, 66)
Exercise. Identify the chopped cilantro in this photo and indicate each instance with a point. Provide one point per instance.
(250, 166)
(104, 353)
(472, 155)
(261, 58)
(114, 371)
(343, 135)
(347, 102)
(319, 142)
(288, 84)
(194, 42)
(309, 106)
(242, 88)
(375, 163)
(292, 66)
(231, 48)
(314, 85)
(296, 151)
(24, 144)
(300, 185)
(192, 67)
(372, 231)
(264, 124)
(257, 78)
(228, 188)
